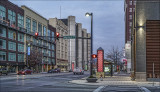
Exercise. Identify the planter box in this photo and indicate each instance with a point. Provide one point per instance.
(91, 79)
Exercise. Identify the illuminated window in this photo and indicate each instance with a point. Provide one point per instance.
(130, 2)
(130, 9)
(130, 16)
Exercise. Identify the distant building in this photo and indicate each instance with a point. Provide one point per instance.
(129, 9)
(61, 44)
(77, 48)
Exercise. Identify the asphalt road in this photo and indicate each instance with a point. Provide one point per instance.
(58, 82)
(43, 83)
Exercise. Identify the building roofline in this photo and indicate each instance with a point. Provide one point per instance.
(34, 12)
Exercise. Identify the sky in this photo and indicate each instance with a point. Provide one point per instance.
(108, 17)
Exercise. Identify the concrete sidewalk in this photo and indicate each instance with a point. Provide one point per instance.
(116, 80)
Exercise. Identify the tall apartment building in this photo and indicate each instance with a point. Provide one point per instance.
(11, 38)
(61, 44)
(17, 32)
(129, 9)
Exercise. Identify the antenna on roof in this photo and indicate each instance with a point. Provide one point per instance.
(60, 12)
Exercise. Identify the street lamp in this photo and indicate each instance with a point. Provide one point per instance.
(91, 14)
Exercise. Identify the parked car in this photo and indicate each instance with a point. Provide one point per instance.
(70, 70)
(26, 71)
(3, 71)
(78, 71)
(50, 71)
(56, 70)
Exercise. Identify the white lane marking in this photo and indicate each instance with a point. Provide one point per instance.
(145, 89)
(99, 89)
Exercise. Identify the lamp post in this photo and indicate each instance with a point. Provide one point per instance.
(91, 14)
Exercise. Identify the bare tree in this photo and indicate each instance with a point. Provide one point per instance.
(35, 58)
(114, 55)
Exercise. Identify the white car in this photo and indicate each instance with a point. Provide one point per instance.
(78, 71)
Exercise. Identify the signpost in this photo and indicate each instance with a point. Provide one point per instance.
(69, 37)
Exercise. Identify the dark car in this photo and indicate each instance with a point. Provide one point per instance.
(50, 71)
(3, 71)
(70, 70)
(56, 70)
(24, 72)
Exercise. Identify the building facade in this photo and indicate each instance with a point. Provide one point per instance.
(146, 40)
(61, 44)
(129, 8)
(11, 36)
(19, 46)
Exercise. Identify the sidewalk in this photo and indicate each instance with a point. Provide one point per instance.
(117, 79)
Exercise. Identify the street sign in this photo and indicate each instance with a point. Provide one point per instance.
(69, 37)
(29, 51)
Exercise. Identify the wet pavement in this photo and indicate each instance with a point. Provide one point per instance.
(44, 83)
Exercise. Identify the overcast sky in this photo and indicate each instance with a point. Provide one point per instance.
(108, 17)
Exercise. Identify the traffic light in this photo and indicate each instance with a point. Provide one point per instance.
(36, 34)
(57, 35)
(94, 56)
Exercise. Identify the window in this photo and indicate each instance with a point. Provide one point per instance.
(11, 56)
(130, 3)
(53, 60)
(130, 16)
(34, 26)
(49, 53)
(2, 12)
(20, 37)
(44, 31)
(20, 21)
(39, 28)
(52, 36)
(12, 45)
(2, 56)
(20, 57)
(28, 38)
(130, 9)
(34, 40)
(2, 31)
(12, 18)
(12, 35)
(52, 53)
(49, 60)
(134, 2)
(20, 47)
(49, 46)
(130, 24)
(2, 44)
(28, 24)
(52, 46)
(49, 34)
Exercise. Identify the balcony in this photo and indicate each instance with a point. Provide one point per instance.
(3, 21)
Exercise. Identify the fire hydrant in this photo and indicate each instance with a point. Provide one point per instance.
(101, 77)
